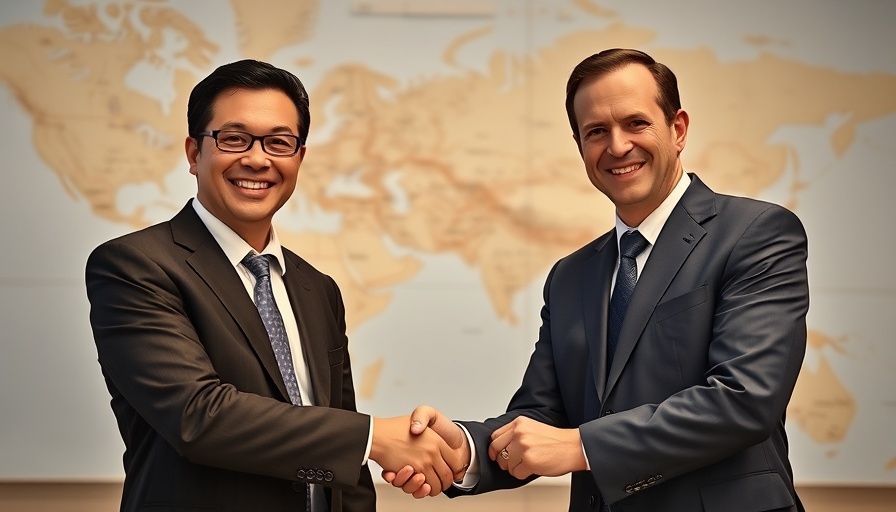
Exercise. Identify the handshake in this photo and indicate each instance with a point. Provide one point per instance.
(426, 453)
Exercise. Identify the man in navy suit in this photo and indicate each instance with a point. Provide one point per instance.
(684, 409)
(201, 400)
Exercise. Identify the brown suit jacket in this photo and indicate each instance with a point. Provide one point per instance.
(200, 403)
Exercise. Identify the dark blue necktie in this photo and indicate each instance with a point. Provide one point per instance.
(260, 266)
(630, 246)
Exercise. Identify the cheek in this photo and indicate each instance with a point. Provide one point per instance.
(591, 155)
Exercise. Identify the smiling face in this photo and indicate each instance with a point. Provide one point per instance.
(244, 190)
(631, 153)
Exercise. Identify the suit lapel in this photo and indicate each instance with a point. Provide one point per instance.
(306, 307)
(595, 294)
(680, 234)
(213, 267)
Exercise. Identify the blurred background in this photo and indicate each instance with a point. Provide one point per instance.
(440, 184)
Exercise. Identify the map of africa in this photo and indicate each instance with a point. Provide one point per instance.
(441, 183)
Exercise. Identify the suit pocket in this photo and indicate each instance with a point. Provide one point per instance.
(759, 492)
(682, 303)
(336, 356)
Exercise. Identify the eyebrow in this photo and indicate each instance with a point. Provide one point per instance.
(242, 127)
(638, 114)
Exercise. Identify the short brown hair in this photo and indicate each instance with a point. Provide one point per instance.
(606, 61)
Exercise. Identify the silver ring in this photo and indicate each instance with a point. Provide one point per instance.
(504, 454)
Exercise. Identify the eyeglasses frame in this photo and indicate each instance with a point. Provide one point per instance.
(300, 142)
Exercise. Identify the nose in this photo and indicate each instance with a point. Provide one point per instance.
(255, 157)
(619, 144)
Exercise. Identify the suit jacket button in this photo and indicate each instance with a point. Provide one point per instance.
(591, 500)
(608, 412)
(328, 476)
(629, 489)
(297, 487)
(300, 474)
(319, 475)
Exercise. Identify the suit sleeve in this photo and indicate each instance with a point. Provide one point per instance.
(757, 340)
(156, 363)
(362, 497)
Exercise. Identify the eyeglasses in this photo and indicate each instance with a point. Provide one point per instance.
(231, 141)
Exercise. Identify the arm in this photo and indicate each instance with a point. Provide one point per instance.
(157, 330)
(361, 497)
(538, 399)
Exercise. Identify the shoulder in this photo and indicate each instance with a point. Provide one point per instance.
(733, 214)
(700, 200)
(745, 211)
(149, 240)
(589, 250)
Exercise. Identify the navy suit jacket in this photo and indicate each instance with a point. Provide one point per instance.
(200, 403)
(690, 417)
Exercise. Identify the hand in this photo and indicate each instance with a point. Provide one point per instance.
(534, 448)
(410, 482)
(426, 453)
(422, 418)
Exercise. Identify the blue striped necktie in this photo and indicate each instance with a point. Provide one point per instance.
(260, 266)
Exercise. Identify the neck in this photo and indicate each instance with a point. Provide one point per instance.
(256, 237)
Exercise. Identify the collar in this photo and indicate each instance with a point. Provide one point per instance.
(234, 247)
(651, 226)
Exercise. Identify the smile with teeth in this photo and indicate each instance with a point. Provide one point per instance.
(626, 170)
(254, 185)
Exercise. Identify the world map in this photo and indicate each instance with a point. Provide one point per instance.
(441, 183)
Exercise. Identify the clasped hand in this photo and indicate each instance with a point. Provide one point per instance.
(426, 421)
(428, 459)
(523, 447)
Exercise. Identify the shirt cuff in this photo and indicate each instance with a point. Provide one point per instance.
(471, 477)
(369, 442)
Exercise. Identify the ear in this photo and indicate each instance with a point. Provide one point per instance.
(578, 145)
(191, 148)
(300, 157)
(680, 128)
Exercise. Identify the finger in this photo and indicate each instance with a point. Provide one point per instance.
(423, 492)
(403, 475)
(459, 475)
(443, 471)
(447, 430)
(434, 481)
(388, 476)
(457, 459)
(499, 443)
(502, 462)
(414, 484)
(503, 430)
(421, 418)
(499, 454)
(519, 469)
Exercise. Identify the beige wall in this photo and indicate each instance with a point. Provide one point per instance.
(94, 497)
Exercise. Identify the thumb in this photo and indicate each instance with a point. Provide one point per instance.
(422, 417)
(447, 430)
